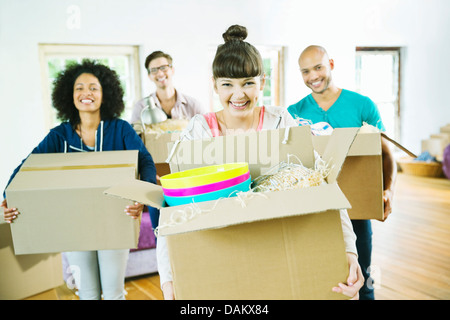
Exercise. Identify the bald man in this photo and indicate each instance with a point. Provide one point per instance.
(343, 108)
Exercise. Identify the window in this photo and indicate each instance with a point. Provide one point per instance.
(273, 67)
(378, 77)
(272, 57)
(123, 59)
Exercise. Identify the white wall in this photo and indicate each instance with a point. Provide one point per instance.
(186, 29)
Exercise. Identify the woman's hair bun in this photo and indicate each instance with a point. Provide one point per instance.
(235, 32)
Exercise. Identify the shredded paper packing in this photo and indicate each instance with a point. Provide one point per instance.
(290, 175)
(167, 126)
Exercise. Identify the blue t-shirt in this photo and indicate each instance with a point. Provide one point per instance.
(351, 109)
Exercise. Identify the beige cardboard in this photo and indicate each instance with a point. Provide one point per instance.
(298, 257)
(445, 129)
(230, 211)
(435, 145)
(361, 177)
(26, 275)
(297, 141)
(266, 206)
(157, 144)
(444, 136)
(228, 252)
(62, 206)
(261, 150)
(261, 256)
(138, 191)
(274, 245)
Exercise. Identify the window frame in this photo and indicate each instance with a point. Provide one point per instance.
(398, 51)
(80, 51)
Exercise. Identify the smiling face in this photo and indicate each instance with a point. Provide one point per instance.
(239, 96)
(87, 93)
(161, 78)
(316, 67)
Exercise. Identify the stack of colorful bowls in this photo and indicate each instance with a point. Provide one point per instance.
(205, 183)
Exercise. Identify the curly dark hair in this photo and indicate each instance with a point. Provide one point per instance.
(62, 95)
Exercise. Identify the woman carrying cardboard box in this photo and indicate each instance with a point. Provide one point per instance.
(89, 99)
(239, 77)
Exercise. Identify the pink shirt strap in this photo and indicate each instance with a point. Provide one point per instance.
(211, 120)
(213, 124)
(261, 119)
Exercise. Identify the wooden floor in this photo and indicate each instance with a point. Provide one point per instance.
(411, 249)
(139, 288)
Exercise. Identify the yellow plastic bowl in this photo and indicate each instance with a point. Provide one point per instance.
(204, 175)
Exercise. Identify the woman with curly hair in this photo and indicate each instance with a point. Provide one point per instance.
(88, 98)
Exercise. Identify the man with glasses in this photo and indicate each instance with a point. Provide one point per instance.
(174, 103)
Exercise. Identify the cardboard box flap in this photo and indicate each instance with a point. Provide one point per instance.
(337, 149)
(365, 144)
(264, 149)
(261, 150)
(398, 145)
(80, 160)
(52, 167)
(251, 207)
(138, 191)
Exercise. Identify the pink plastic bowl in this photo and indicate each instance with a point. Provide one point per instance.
(184, 192)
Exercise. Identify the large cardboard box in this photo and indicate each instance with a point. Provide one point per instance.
(26, 275)
(273, 245)
(62, 206)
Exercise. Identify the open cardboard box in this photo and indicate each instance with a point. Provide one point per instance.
(272, 245)
(61, 202)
